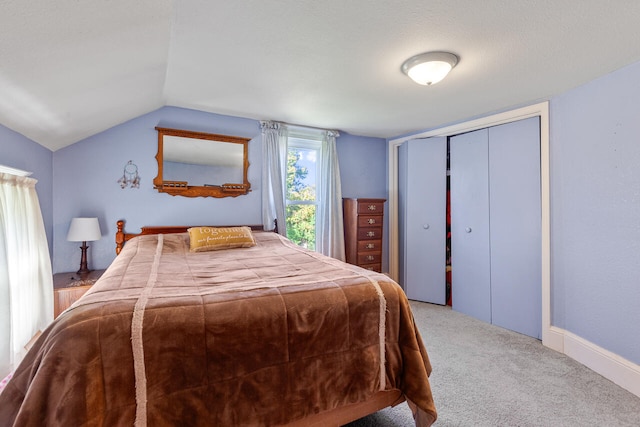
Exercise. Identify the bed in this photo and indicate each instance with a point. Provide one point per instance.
(270, 334)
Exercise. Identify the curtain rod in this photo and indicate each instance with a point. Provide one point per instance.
(14, 171)
(301, 126)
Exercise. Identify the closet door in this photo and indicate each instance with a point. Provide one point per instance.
(425, 219)
(470, 253)
(515, 224)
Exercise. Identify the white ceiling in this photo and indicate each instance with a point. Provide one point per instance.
(70, 68)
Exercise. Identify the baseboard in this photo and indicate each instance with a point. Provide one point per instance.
(615, 368)
(554, 339)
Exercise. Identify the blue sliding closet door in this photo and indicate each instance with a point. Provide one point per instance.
(515, 224)
(470, 252)
(496, 225)
(423, 219)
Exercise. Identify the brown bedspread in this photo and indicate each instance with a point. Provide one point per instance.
(256, 336)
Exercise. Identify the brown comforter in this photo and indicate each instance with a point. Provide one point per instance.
(256, 336)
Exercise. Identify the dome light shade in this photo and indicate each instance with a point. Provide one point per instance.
(429, 68)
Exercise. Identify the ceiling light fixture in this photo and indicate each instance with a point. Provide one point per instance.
(429, 68)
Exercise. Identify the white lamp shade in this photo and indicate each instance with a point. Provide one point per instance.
(429, 68)
(84, 230)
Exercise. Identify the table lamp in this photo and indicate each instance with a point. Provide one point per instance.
(84, 230)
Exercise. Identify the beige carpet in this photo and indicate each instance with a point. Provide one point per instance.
(488, 376)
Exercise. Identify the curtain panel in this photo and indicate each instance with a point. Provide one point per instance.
(26, 280)
(274, 161)
(331, 241)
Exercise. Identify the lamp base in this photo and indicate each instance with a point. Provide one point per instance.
(84, 271)
(83, 260)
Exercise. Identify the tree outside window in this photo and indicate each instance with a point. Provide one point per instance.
(301, 181)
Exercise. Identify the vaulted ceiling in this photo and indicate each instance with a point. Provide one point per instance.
(71, 68)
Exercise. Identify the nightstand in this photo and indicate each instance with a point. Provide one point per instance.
(68, 287)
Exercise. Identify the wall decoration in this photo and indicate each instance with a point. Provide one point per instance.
(130, 177)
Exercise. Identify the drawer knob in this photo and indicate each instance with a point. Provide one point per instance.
(371, 221)
(372, 207)
(370, 246)
(468, 229)
(425, 226)
(370, 258)
(371, 233)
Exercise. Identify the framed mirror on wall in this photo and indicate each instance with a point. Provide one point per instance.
(198, 164)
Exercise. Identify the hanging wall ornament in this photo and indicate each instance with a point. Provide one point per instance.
(130, 177)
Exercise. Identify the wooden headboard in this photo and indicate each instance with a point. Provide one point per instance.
(122, 237)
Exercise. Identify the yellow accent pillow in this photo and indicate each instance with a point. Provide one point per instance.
(216, 238)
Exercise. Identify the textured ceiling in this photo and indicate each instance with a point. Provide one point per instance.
(70, 68)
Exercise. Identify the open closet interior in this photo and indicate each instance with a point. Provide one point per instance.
(470, 223)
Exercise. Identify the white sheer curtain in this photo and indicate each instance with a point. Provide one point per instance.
(331, 241)
(26, 282)
(274, 162)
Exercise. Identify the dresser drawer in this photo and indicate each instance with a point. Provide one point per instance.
(370, 245)
(372, 233)
(369, 220)
(369, 257)
(371, 208)
(372, 267)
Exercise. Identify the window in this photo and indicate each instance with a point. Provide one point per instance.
(303, 182)
(302, 186)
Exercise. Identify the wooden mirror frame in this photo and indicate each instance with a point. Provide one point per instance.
(182, 188)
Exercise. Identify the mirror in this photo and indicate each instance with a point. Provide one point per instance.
(198, 164)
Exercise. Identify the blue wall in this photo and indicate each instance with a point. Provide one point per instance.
(362, 166)
(595, 211)
(86, 174)
(20, 152)
(363, 172)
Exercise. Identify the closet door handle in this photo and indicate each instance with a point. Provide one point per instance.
(425, 226)
(468, 229)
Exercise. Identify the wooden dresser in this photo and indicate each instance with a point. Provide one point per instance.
(68, 287)
(363, 232)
